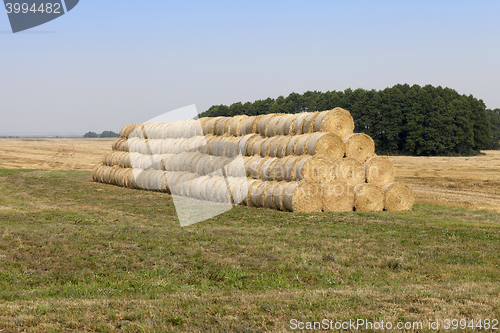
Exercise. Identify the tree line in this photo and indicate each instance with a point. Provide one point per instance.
(402, 119)
(105, 134)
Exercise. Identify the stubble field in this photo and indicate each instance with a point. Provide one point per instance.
(470, 182)
(82, 256)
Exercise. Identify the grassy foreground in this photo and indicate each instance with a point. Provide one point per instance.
(82, 256)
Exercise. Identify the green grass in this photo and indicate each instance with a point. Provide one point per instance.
(82, 256)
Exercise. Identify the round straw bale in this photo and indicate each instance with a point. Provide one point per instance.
(281, 150)
(296, 127)
(235, 125)
(221, 190)
(249, 145)
(209, 126)
(195, 188)
(348, 170)
(398, 197)
(236, 168)
(337, 121)
(264, 162)
(279, 168)
(267, 169)
(257, 146)
(242, 145)
(231, 148)
(272, 124)
(204, 189)
(302, 197)
(256, 121)
(251, 165)
(269, 195)
(301, 145)
(239, 189)
(253, 170)
(359, 146)
(308, 126)
(256, 194)
(247, 126)
(314, 169)
(288, 163)
(324, 144)
(273, 147)
(290, 148)
(379, 170)
(337, 197)
(264, 148)
(283, 127)
(246, 189)
(219, 125)
(210, 189)
(368, 198)
(262, 123)
(226, 126)
(277, 195)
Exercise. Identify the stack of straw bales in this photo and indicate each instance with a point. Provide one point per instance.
(307, 162)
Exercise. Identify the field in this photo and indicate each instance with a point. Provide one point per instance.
(82, 256)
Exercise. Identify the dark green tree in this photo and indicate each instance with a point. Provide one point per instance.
(109, 134)
(91, 135)
(494, 118)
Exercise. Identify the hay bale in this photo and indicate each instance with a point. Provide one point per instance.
(262, 123)
(313, 169)
(281, 150)
(242, 145)
(301, 145)
(239, 190)
(269, 195)
(398, 197)
(256, 194)
(296, 126)
(249, 144)
(324, 144)
(308, 126)
(368, 198)
(379, 170)
(265, 147)
(266, 169)
(283, 126)
(253, 170)
(359, 146)
(337, 121)
(209, 125)
(337, 197)
(272, 125)
(273, 147)
(280, 166)
(277, 196)
(290, 147)
(247, 126)
(348, 170)
(257, 146)
(235, 125)
(302, 197)
(251, 164)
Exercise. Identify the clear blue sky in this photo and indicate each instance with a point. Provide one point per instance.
(109, 63)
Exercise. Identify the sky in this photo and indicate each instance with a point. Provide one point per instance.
(110, 63)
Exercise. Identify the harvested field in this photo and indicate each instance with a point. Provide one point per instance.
(53, 154)
(470, 182)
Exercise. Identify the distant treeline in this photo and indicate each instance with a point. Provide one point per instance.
(403, 119)
(105, 134)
